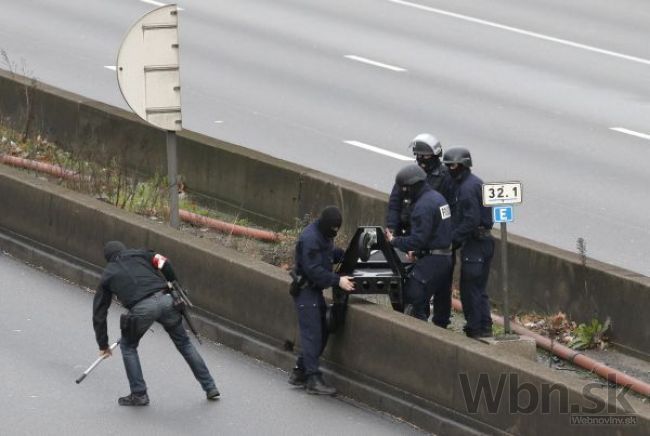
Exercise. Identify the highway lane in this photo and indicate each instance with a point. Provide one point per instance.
(47, 342)
(533, 88)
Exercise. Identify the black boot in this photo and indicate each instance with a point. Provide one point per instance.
(213, 394)
(298, 377)
(316, 385)
(134, 400)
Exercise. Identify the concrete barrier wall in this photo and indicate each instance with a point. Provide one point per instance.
(411, 364)
(272, 189)
(542, 278)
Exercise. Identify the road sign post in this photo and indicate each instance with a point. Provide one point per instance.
(172, 171)
(149, 78)
(500, 196)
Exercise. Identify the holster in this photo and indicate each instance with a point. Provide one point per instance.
(297, 283)
(130, 327)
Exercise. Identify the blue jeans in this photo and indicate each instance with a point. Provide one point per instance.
(159, 308)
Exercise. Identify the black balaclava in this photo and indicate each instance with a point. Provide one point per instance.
(112, 248)
(428, 164)
(411, 191)
(330, 221)
(457, 172)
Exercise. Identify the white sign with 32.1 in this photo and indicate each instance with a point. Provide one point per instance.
(501, 193)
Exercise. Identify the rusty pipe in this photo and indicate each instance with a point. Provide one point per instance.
(230, 228)
(185, 215)
(43, 167)
(573, 356)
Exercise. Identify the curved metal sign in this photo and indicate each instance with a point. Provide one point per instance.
(148, 71)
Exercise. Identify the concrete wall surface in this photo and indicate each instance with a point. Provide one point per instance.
(395, 363)
(541, 278)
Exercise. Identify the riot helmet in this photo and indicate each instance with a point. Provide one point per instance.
(410, 175)
(425, 144)
(459, 158)
(458, 155)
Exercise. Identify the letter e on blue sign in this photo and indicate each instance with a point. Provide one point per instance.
(502, 214)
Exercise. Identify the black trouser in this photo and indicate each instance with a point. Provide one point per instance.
(476, 257)
(431, 276)
(311, 309)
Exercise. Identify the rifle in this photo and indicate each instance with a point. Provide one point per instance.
(181, 303)
(96, 362)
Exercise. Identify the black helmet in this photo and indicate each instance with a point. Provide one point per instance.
(458, 155)
(425, 144)
(410, 175)
(112, 248)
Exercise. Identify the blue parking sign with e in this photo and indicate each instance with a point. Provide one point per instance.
(502, 214)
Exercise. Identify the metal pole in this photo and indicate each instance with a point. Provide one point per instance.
(172, 171)
(96, 362)
(504, 277)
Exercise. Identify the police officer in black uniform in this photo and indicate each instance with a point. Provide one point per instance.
(471, 235)
(429, 244)
(314, 258)
(139, 279)
(427, 150)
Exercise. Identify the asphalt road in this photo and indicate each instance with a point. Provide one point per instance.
(47, 342)
(549, 93)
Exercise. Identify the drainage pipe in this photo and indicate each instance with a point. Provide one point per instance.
(43, 167)
(229, 228)
(573, 356)
(185, 215)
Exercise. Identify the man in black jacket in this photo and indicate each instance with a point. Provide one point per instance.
(427, 150)
(472, 236)
(429, 245)
(315, 255)
(134, 277)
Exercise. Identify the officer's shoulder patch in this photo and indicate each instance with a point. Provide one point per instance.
(445, 212)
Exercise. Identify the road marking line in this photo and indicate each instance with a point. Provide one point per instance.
(375, 63)
(378, 150)
(630, 132)
(523, 32)
(111, 67)
(218, 122)
(155, 3)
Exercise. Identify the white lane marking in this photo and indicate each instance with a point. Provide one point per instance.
(155, 3)
(630, 132)
(375, 63)
(111, 67)
(378, 150)
(218, 122)
(523, 32)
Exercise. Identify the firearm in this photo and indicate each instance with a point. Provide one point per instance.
(181, 303)
(96, 362)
